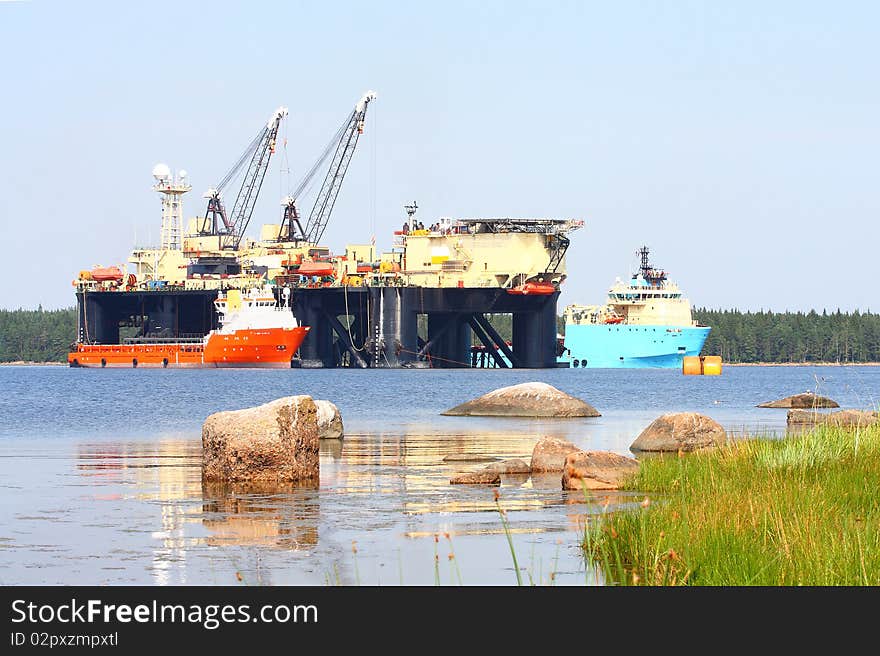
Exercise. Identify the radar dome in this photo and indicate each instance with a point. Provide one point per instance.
(161, 171)
(182, 174)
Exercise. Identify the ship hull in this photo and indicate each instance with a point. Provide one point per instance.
(271, 348)
(616, 346)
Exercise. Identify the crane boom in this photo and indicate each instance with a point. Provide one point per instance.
(349, 133)
(257, 154)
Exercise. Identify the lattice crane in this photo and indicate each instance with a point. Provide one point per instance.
(342, 147)
(231, 227)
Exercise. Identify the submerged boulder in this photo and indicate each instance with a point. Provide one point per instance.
(329, 420)
(680, 431)
(804, 400)
(549, 454)
(525, 400)
(512, 466)
(480, 477)
(468, 457)
(277, 441)
(845, 418)
(596, 470)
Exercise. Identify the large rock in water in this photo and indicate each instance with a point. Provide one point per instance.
(276, 442)
(596, 470)
(329, 421)
(549, 454)
(511, 466)
(525, 400)
(480, 477)
(680, 431)
(845, 418)
(804, 400)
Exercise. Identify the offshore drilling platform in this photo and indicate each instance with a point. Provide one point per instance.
(418, 304)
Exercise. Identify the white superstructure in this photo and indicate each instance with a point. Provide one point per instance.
(255, 309)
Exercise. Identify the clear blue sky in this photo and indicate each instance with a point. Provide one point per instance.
(738, 140)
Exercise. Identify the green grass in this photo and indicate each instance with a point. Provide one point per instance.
(803, 510)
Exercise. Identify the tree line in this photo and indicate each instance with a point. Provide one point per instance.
(766, 336)
(46, 335)
(36, 335)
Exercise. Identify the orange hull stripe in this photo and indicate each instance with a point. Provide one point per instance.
(271, 346)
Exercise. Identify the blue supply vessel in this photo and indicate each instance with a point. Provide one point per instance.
(645, 323)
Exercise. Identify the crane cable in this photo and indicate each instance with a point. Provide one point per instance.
(348, 326)
(247, 154)
(283, 165)
(304, 184)
(373, 176)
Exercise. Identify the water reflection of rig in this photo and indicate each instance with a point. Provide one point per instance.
(416, 305)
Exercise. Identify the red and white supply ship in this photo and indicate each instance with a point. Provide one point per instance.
(255, 331)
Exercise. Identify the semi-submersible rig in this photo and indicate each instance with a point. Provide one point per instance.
(416, 305)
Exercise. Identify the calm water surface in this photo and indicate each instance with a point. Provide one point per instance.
(101, 478)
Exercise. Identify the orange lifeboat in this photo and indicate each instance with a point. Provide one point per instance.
(102, 274)
(536, 288)
(317, 269)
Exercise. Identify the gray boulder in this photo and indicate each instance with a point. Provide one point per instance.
(596, 470)
(275, 442)
(549, 454)
(804, 400)
(680, 431)
(329, 421)
(525, 400)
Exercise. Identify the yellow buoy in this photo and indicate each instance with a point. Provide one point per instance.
(691, 365)
(711, 365)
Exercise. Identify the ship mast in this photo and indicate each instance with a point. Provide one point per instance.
(653, 276)
(172, 188)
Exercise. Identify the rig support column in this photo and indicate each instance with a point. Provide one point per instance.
(449, 337)
(534, 336)
(317, 348)
(395, 327)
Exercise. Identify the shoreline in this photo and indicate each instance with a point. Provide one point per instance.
(28, 363)
(801, 364)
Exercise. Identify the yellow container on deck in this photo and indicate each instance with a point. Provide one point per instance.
(233, 300)
(691, 365)
(711, 365)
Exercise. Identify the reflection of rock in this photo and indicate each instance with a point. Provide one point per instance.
(525, 400)
(512, 466)
(846, 418)
(549, 454)
(481, 477)
(596, 470)
(277, 441)
(270, 514)
(467, 457)
(329, 420)
(805, 400)
(331, 449)
(680, 431)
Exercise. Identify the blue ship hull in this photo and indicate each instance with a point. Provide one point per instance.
(630, 346)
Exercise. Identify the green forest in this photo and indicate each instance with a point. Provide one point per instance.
(46, 335)
(36, 335)
(791, 336)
